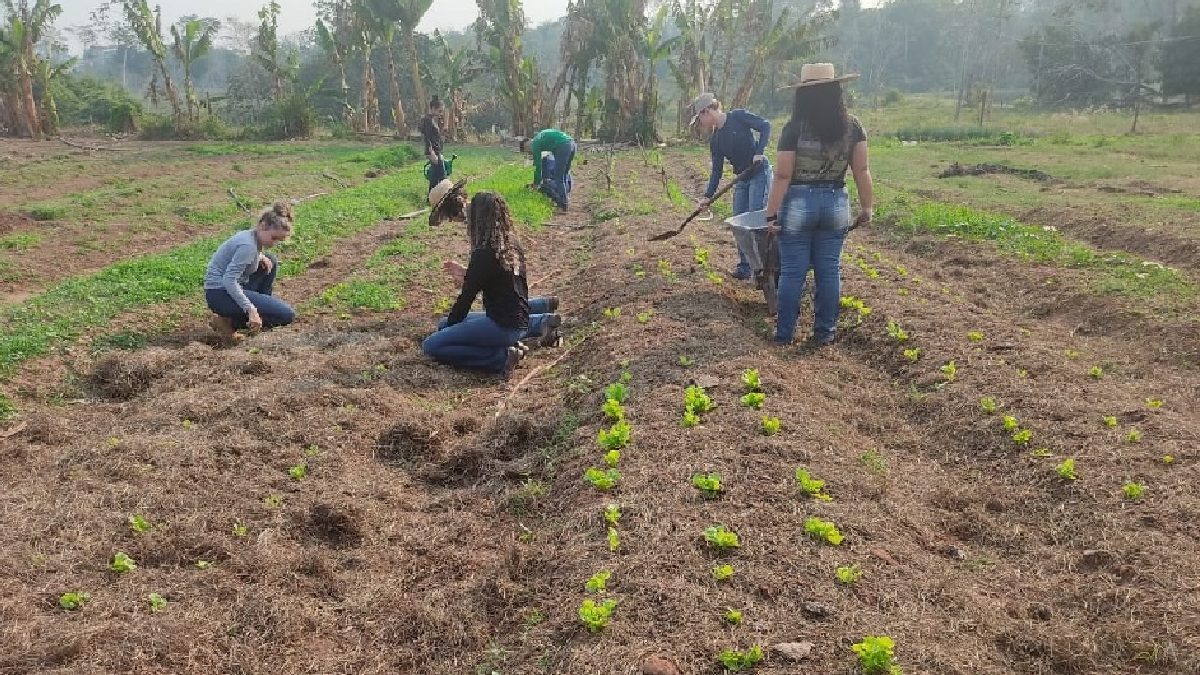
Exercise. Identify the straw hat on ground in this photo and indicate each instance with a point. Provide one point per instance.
(438, 196)
(812, 74)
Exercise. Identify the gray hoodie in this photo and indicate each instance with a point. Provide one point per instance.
(232, 265)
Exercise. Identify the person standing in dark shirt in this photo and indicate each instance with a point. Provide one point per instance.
(809, 208)
(733, 138)
(487, 340)
(431, 131)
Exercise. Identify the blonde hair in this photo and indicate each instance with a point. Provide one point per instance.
(278, 217)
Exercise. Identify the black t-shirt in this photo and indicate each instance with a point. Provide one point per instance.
(816, 164)
(431, 133)
(505, 294)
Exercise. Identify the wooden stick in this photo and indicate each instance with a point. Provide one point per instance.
(238, 201)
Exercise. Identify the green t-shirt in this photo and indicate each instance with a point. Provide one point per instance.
(816, 163)
(546, 139)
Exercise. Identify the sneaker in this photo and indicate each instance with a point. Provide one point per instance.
(510, 362)
(522, 347)
(223, 327)
(823, 340)
(550, 334)
(551, 304)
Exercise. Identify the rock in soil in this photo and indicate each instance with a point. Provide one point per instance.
(793, 651)
(818, 610)
(657, 665)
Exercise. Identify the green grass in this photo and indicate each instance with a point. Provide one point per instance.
(528, 207)
(20, 241)
(358, 295)
(63, 312)
(1121, 273)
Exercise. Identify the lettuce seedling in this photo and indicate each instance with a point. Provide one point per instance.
(733, 617)
(122, 563)
(616, 391)
(897, 332)
(770, 426)
(1022, 437)
(1066, 469)
(157, 602)
(849, 575)
(612, 457)
(598, 582)
(709, 484)
(1010, 423)
(949, 371)
(912, 354)
(754, 399)
(722, 572)
(298, 472)
(1133, 491)
(614, 540)
(696, 401)
(1110, 421)
(824, 530)
(810, 486)
(875, 655)
(988, 404)
(74, 600)
(139, 524)
(596, 616)
(737, 661)
(615, 437)
(721, 538)
(603, 479)
(612, 514)
(751, 379)
(613, 409)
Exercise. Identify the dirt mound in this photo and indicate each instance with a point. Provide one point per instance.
(957, 169)
(122, 376)
(407, 441)
(333, 526)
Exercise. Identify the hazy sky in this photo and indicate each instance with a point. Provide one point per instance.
(297, 15)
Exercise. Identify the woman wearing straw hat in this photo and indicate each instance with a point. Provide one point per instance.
(733, 138)
(808, 208)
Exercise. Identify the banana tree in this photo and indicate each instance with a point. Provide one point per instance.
(779, 41)
(501, 24)
(25, 26)
(147, 26)
(459, 68)
(408, 13)
(658, 47)
(267, 50)
(190, 44)
(47, 73)
(331, 41)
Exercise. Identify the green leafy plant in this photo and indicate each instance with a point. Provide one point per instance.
(157, 602)
(1110, 421)
(73, 600)
(240, 530)
(737, 661)
(203, 564)
(298, 472)
(1133, 491)
(612, 457)
(1010, 423)
(733, 617)
(604, 479)
(912, 354)
(751, 380)
(754, 399)
(122, 563)
(810, 486)
(897, 332)
(715, 278)
(614, 539)
(708, 483)
(598, 582)
(613, 409)
(1168, 459)
(824, 530)
(975, 336)
(1066, 469)
(690, 419)
(770, 425)
(685, 361)
(876, 655)
(1134, 436)
(701, 257)
(638, 270)
(695, 400)
(874, 461)
(1040, 452)
(612, 312)
(1096, 372)
(139, 524)
(721, 538)
(616, 436)
(949, 371)
(616, 391)
(612, 514)
(644, 317)
(988, 404)
(849, 574)
(273, 501)
(596, 616)
(1154, 402)
(722, 572)
(1022, 437)
(664, 268)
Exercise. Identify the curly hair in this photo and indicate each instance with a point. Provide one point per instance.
(490, 226)
(278, 217)
(823, 110)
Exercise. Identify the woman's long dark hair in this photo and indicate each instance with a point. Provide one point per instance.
(490, 226)
(822, 109)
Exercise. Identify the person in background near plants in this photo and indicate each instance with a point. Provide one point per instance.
(486, 340)
(808, 208)
(449, 202)
(431, 130)
(240, 276)
(557, 185)
(733, 139)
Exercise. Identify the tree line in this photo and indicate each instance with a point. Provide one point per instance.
(616, 69)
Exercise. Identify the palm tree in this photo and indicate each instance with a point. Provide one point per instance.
(191, 44)
(147, 26)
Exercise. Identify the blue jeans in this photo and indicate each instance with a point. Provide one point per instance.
(538, 311)
(273, 311)
(558, 186)
(475, 342)
(813, 224)
(437, 173)
(750, 196)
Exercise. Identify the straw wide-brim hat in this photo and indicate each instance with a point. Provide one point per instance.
(702, 101)
(438, 196)
(812, 74)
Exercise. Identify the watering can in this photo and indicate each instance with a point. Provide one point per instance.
(447, 163)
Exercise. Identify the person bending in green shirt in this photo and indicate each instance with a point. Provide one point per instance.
(557, 185)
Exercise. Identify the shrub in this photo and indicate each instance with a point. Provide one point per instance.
(290, 118)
